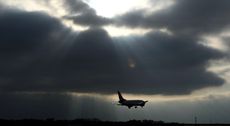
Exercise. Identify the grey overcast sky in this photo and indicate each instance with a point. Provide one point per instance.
(67, 59)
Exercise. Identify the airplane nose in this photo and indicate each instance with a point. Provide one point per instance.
(143, 103)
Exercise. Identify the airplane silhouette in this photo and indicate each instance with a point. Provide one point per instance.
(130, 103)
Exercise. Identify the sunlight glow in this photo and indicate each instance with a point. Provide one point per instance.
(73, 26)
(123, 31)
(110, 8)
(214, 42)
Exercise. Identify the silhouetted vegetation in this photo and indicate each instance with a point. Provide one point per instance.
(90, 122)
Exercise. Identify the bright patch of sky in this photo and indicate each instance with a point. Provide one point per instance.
(110, 8)
(214, 42)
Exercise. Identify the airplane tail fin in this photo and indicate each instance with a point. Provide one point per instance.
(121, 99)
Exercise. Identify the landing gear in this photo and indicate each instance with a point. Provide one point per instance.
(135, 106)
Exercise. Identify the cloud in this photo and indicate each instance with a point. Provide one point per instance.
(89, 19)
(167, 64)
(26, 38)
(39, 54)
(82, 14)
(36, 55)
(23, 36)
(77, 6)
(183, 17)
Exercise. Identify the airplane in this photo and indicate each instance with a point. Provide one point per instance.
(130, 103)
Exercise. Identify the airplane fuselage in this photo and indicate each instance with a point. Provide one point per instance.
(130, 103)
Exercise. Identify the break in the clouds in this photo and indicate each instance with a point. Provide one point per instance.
(38, 53)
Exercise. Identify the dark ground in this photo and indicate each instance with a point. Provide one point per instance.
(92, 122)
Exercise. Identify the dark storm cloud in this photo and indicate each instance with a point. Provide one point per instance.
(77, 6)
(28, 30)
(82, 14)
(184, 16)
(169, 64)
(39, 54)
(23, 35)
(25, 40)
(89, 19)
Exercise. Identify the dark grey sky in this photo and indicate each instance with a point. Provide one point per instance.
(43, 58)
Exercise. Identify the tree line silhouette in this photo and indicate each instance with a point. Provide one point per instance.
(91, 122)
